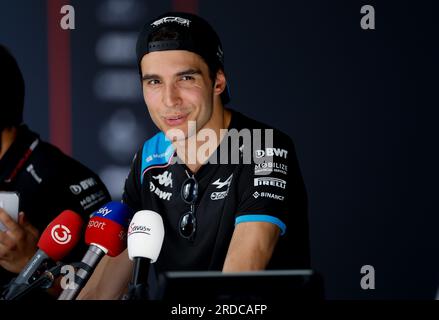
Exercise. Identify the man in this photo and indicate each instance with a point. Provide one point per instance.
(46, 180)
(217, 215)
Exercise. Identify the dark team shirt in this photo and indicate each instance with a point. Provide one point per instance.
(48, 182)
(268, 188)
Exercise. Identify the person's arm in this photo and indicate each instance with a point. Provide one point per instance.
(268, 214)
(110, 279)
(251, 246)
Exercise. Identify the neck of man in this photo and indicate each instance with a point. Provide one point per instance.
(7, 137)
(196, 150)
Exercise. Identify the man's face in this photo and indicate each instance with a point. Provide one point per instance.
(177, 89)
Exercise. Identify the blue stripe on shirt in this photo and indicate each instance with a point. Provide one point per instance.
(262, 218)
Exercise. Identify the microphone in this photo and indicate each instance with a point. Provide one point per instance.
(105, 234)
(145, 239)
(57, 240)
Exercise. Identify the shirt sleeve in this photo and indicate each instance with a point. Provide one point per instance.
(82, 190)
(131, 195)
(272, 186)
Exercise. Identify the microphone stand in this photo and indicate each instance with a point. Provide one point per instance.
(138, 287)
(44, 281)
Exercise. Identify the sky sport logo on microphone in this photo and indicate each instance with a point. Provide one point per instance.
(104, 211)
(61, 234)
(96, 224)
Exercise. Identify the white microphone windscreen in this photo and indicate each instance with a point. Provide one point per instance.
(145, 235)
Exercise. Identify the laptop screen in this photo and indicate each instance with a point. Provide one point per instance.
(270, 285)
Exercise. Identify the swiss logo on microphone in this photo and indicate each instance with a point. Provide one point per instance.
(138, 228)
(61, 234)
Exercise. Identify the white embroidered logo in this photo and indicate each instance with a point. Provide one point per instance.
(161, 194)
(165, 179)
(179, 20)
(221, 185)
(31, 170)
(267, 181)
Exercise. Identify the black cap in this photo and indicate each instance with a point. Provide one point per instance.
(195, 35)
(11, 90)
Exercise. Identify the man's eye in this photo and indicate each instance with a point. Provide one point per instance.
(187, 78)
(153, 82)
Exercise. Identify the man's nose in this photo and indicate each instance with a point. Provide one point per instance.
(171, 96)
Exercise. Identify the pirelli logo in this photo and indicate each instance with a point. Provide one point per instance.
(267, 181)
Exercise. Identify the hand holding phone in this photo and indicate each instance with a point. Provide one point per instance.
(9, 202)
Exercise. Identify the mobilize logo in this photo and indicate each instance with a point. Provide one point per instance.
(270, 167)
(266, 181)
(61, 234)
(92, 199)
(270, 152)
(165, 179)
(138, 229)
(179, 20)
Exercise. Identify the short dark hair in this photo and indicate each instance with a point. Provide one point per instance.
(11, 90)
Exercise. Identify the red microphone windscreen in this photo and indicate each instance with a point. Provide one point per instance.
(106, 233)
(61, 235)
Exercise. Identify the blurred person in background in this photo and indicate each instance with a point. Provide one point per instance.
(47, 181)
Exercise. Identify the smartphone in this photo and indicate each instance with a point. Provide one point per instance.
(9, 202)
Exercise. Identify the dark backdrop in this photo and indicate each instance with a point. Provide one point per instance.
(359, 104)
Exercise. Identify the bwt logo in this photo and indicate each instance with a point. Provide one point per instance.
(61, 234)
(96, 224)
(75, 189)
(104, 211)
(88, 183)
(270, 152)
(82, 186)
